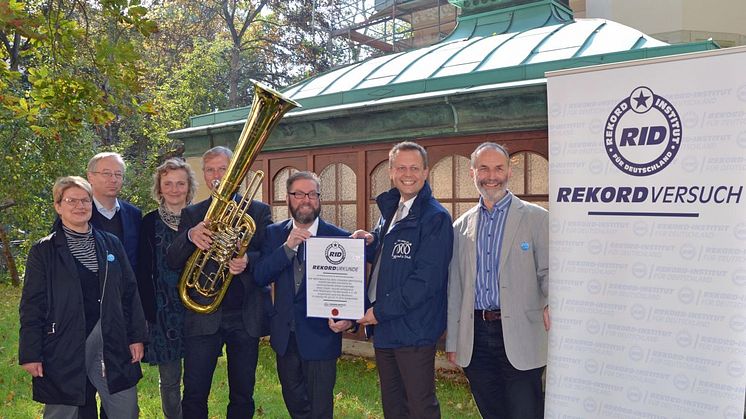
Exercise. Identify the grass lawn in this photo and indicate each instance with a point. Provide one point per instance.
(357, 394)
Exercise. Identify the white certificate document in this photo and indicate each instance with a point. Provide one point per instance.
(335, 277)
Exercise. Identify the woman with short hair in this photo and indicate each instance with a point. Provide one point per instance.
(80, 313)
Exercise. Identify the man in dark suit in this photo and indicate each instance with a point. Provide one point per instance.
(105, 173)
(307, 348)
(239, 321)
(110, 213)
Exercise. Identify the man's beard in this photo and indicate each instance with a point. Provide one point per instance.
(305, 218)
(492, 195)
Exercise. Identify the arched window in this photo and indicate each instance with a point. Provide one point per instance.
(379, 183)
(338, 193)
(530, 180)
(452, 185)
(250, 175)
(279, 203)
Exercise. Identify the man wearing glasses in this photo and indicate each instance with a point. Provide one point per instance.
(115, 216)
(307, 348)
(110, 213)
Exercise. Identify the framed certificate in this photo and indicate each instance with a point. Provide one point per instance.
(335, 277)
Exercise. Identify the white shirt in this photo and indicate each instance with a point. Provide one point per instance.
(407, 206)
(313, 229)
(108, 213)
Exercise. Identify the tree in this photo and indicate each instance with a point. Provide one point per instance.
(70, 75)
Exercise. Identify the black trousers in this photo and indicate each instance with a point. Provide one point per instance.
(500, 390)
(307, 386)
(200, 359)
(408, 382)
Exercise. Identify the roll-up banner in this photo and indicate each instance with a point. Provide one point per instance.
(648, 238)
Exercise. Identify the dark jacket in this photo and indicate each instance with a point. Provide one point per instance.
(314, 338)
(53, 327)
(256, 300)
(413, 275)
(131, 218)
(147, 272)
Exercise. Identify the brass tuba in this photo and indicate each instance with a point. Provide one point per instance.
(207, 272)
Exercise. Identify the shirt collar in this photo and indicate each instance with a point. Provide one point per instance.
(314, 227)
(100, 207)
(408, 203)
(501, 205)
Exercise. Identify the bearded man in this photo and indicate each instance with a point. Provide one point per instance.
(307, 348)
(498, 316)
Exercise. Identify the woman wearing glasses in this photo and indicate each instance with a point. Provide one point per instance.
(174, 185)
(80, 312)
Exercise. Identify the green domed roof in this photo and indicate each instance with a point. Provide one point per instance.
(493, 63)
(508, 44)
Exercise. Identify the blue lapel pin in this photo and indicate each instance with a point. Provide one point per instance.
(525, 246)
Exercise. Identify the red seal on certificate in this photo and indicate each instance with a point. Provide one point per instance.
(335, 312)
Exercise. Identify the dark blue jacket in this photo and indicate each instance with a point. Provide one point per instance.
(315, 340)
(131, 221)
(413, 275)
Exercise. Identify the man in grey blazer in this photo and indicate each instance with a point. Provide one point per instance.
(498, 316)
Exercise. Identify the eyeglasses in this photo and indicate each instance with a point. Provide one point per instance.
(217, 170)
(108, 175)
(300, 195)
(73, 202)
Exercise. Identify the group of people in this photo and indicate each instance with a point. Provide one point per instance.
(100, 295)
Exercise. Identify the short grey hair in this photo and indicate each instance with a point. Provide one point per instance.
(93, 162)
(407, 146)
(494, 146)
(216, 151)
(303, 175)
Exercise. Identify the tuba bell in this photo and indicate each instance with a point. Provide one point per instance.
(206, 275)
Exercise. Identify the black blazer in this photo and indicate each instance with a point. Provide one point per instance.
(256, 301)
(131, 219)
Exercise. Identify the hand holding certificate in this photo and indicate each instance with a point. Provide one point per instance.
(335, 277)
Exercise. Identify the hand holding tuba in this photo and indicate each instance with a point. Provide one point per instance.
(206, 276)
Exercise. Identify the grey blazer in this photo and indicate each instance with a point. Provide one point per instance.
(523, 285)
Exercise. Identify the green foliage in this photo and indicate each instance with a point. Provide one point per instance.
(70, 77)
(77, 78)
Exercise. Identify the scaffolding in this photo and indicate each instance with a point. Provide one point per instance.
(385, 26)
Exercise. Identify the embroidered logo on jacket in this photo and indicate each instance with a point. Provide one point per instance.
(401, 250)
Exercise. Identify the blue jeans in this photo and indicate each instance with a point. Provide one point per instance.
(500, 390)
(200, 358)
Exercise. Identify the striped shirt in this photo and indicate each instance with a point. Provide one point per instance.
(83, 247)
(490, 228)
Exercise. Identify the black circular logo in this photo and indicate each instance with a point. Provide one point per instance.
(643, 133)
(335, 253)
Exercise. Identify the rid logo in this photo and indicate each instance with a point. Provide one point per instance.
(335, 253)
(642, 133)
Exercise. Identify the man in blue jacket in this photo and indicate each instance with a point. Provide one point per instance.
(411, 250)
(307, 348)
(105, 173)
(111, 214)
